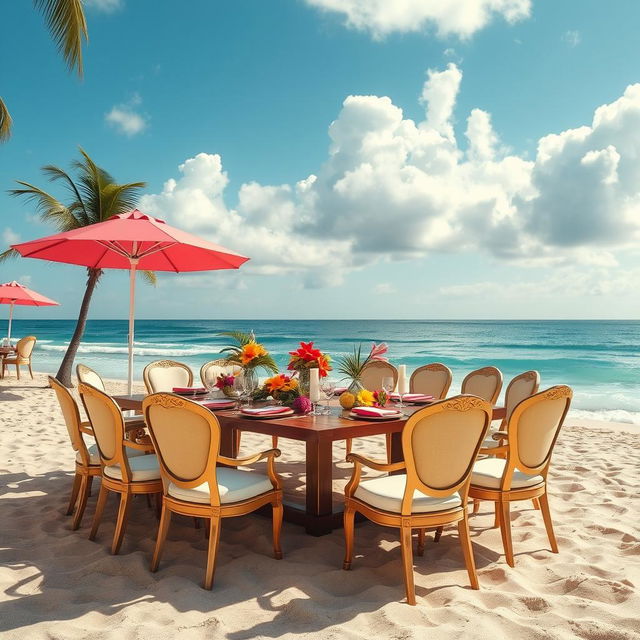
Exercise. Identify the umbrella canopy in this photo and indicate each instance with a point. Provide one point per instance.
(132, 241)
(13, 293)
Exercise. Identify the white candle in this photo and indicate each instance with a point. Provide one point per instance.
(402, 379)
(314, 385)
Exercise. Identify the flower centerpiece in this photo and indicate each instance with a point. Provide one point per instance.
(352, 366)
(307, 357)
(366, 398)
(224, 382)
(285, 389)
(249, 354)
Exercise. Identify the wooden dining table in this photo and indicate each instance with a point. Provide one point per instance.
(5, 351)
(319, 516)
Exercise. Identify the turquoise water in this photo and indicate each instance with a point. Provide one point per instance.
(599, 359)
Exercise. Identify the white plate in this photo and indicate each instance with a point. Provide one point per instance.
(395, 416)
(267, 416)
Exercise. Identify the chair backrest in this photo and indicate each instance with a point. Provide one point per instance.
(214, 368)
(375, 371)
(186, 437)
(25, 346)
(521, 387)
(431, 379)
(164, 375)
(532, 431)
(108, 427)
(89, 376)
(485, 383)
(71, 415)
(440, 444)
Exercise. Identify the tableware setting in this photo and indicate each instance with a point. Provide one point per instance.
(189, 391)
(266, 412)
(218, 403)
(375, 413)
(411, 398)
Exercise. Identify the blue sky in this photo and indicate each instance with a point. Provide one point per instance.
(449, 208)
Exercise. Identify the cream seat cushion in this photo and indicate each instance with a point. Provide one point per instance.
(488, 473)
(233, 485)
(142, 468)
(94, 456)
(386, 493)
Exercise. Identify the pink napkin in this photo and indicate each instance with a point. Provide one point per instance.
(209, 404)
(265, 411)
(189, 390)
(374, 411)
(411, 397)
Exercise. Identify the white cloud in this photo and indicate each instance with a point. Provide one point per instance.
(9, 236)
(394, 189)
(572, 37)
(125, 119)
(449, 17)
(107, 6)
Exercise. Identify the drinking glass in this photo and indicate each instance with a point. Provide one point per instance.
(327, 386)
(388, 385)
(239, 388)
(210, 385)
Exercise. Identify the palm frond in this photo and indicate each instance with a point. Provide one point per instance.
(48, 206)
(351, 365)
(241, 337)
(68, 28)
(265, 362)
(149, 277)
(7, 254)
(120, 198)
(55, 173)
(5, 122)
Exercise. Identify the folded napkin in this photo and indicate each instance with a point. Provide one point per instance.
(411, 397)
(216, 403)
(265, 411)
(189, 390)
(374, 411)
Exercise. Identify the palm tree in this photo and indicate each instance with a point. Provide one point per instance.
(68, 27)
(94, 197)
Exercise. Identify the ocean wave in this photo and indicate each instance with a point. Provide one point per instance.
(164, 351)
(607, 415)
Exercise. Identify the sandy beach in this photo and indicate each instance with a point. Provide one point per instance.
(55, 583)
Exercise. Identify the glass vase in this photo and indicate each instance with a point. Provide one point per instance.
(304, 382)
(355, 387)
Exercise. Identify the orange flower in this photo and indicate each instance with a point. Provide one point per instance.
(251, 351)
(281, 382)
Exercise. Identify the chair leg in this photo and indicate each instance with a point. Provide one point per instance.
(30, 371)
(274, 442)
(476, 505)
(18, 371)
(496, 519)
(278, 514)
(438, 533)
(536, 504)
(121, 523)
(90, 485)
(214, 537)
(77, 479)
(467, 550)
(165, 519)
(97, 516)
(349, 532)
(82, 502)
(546, 514)
(420, 549)
(349, 444)
(387, 438)
(505, 531)
(407, 563)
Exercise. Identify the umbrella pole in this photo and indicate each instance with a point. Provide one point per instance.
(132, 304)
(10, 319)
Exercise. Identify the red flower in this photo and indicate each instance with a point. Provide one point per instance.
(377, 351)
(306, 352)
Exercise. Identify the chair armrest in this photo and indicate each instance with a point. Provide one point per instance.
(491, 451)
(374, 464)
(86, 427)
(236, 462)
(499, 435)
(141, 447)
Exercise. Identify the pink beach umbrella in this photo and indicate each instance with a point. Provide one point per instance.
(132, 241)
(13, 293)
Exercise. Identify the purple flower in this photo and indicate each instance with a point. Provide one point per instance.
(302, 404)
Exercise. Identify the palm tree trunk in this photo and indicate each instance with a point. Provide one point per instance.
(64, 373)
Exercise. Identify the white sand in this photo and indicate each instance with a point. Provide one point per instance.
(55, 583)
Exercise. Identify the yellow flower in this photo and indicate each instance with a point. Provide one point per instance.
(250, 351)
(365, 398)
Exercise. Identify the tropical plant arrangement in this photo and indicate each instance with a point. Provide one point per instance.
(351, 366)
(285, 389)
(224, 382)
(307, 357)
(248, 352)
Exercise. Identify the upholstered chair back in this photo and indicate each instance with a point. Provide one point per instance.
(186, 437)
(534, 427)
(485, 383)
(25, 346)
(71, 417)
(211, 370)
(89, 376)
(431, 379)
(375, 371)
(521, 387)
(164, 375)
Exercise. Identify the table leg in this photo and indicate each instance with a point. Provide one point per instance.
(395, 451)
(228, 442)
(319, 521)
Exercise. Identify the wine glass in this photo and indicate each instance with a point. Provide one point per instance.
(327, 386)
(388, 384)
(210, 381)
(250, 385)
(239, 388)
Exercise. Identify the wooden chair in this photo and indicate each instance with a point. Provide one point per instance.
(486, 383)
(372, 376)
(87, 458)
(121, 473)
(24, 349)
(164, 375)
(431, 379)
(440, 444)
(522, 386)
(532, 431)
(88, 376)
(186, 436)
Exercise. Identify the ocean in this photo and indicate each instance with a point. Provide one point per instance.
(600, 360)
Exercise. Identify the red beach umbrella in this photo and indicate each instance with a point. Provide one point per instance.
(13, 293)
(132, 241)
